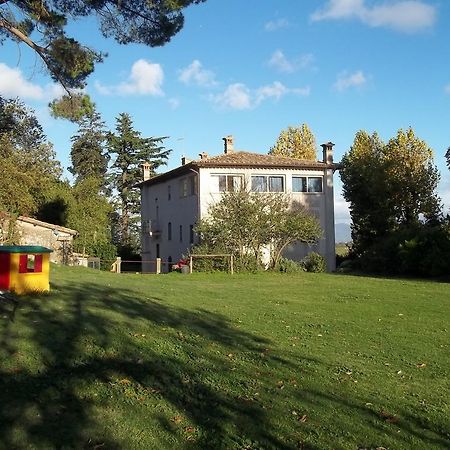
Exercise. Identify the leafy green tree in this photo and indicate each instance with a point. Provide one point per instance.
(90, 214)
(364, 187)
(294, 224)
(295, 142)
(412, 178)
(447, 157)
(88, 155)
(131, 151)
(42, 26)
(27, 160)
(388, 186)
(245, 223)
(74, 107)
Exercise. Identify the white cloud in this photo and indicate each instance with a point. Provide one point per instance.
(13, 84)
(275, 90)
(174, 103)
(101, 89)
(196, 74)
(341, 209)
(239, 96)
(235, 96)
(402, 15)
(279, 61)
(346, 80)
(146, 78)
(444, 193)
(274, 25)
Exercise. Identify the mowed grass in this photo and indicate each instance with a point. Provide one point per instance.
(309, 361)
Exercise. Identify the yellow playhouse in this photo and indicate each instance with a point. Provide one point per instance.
(24, 268)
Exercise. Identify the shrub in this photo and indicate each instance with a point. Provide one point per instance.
(419, 251)
(314, 262)
(289, 266)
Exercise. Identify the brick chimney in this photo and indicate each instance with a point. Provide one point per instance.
(146, 169)
(229, 144)
(185, 160)
(328, 152)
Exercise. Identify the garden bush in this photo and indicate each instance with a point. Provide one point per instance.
(289, 266)
(314, 262)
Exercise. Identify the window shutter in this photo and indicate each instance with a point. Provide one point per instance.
(23, 260)
(38, 263)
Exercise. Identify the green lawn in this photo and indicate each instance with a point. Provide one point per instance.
(309, 361)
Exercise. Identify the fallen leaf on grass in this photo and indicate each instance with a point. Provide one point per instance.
(389, 418)
(421, 365)
(189, 429)
(280, 384)
(303, 419)
(125, 381)
(177, 419)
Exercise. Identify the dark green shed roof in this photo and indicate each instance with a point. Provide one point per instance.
(24, 249)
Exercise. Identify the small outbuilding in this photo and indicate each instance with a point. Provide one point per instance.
(24, 268)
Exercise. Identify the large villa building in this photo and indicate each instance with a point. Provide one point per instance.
(173, 202)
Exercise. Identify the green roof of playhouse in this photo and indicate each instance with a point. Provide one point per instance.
(24, 249)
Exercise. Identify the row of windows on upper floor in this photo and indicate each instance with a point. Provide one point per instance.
(258, 183)
(267, 183)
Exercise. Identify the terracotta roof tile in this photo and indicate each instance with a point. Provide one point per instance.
(240, 159)
(247, 159)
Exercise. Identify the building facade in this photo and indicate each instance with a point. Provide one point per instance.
(29, 231)
(173, 202)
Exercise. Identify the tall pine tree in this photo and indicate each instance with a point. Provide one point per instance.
(131, 150)
(88, 155)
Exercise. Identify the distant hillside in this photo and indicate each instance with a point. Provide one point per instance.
(342, 232)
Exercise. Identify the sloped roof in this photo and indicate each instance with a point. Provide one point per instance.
(248, 159)
(241, 159)
(52, 226)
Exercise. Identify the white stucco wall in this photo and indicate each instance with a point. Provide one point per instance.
(179, 211)
(319, 204)
(186, 211)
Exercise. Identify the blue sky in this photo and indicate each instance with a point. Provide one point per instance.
(251, 68)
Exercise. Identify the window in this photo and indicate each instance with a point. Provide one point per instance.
(307, 184)
(191, 234)
(183, 187)
(259, 184)
(188, 186)
(267, 183)
(169, 192)
(30, 263)
(314, 184)
(169, 231)
(192, 183)
(226, 183)
(181, 233)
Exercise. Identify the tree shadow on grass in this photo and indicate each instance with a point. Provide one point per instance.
(390, 429)
(90, 366)
(68, 356)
